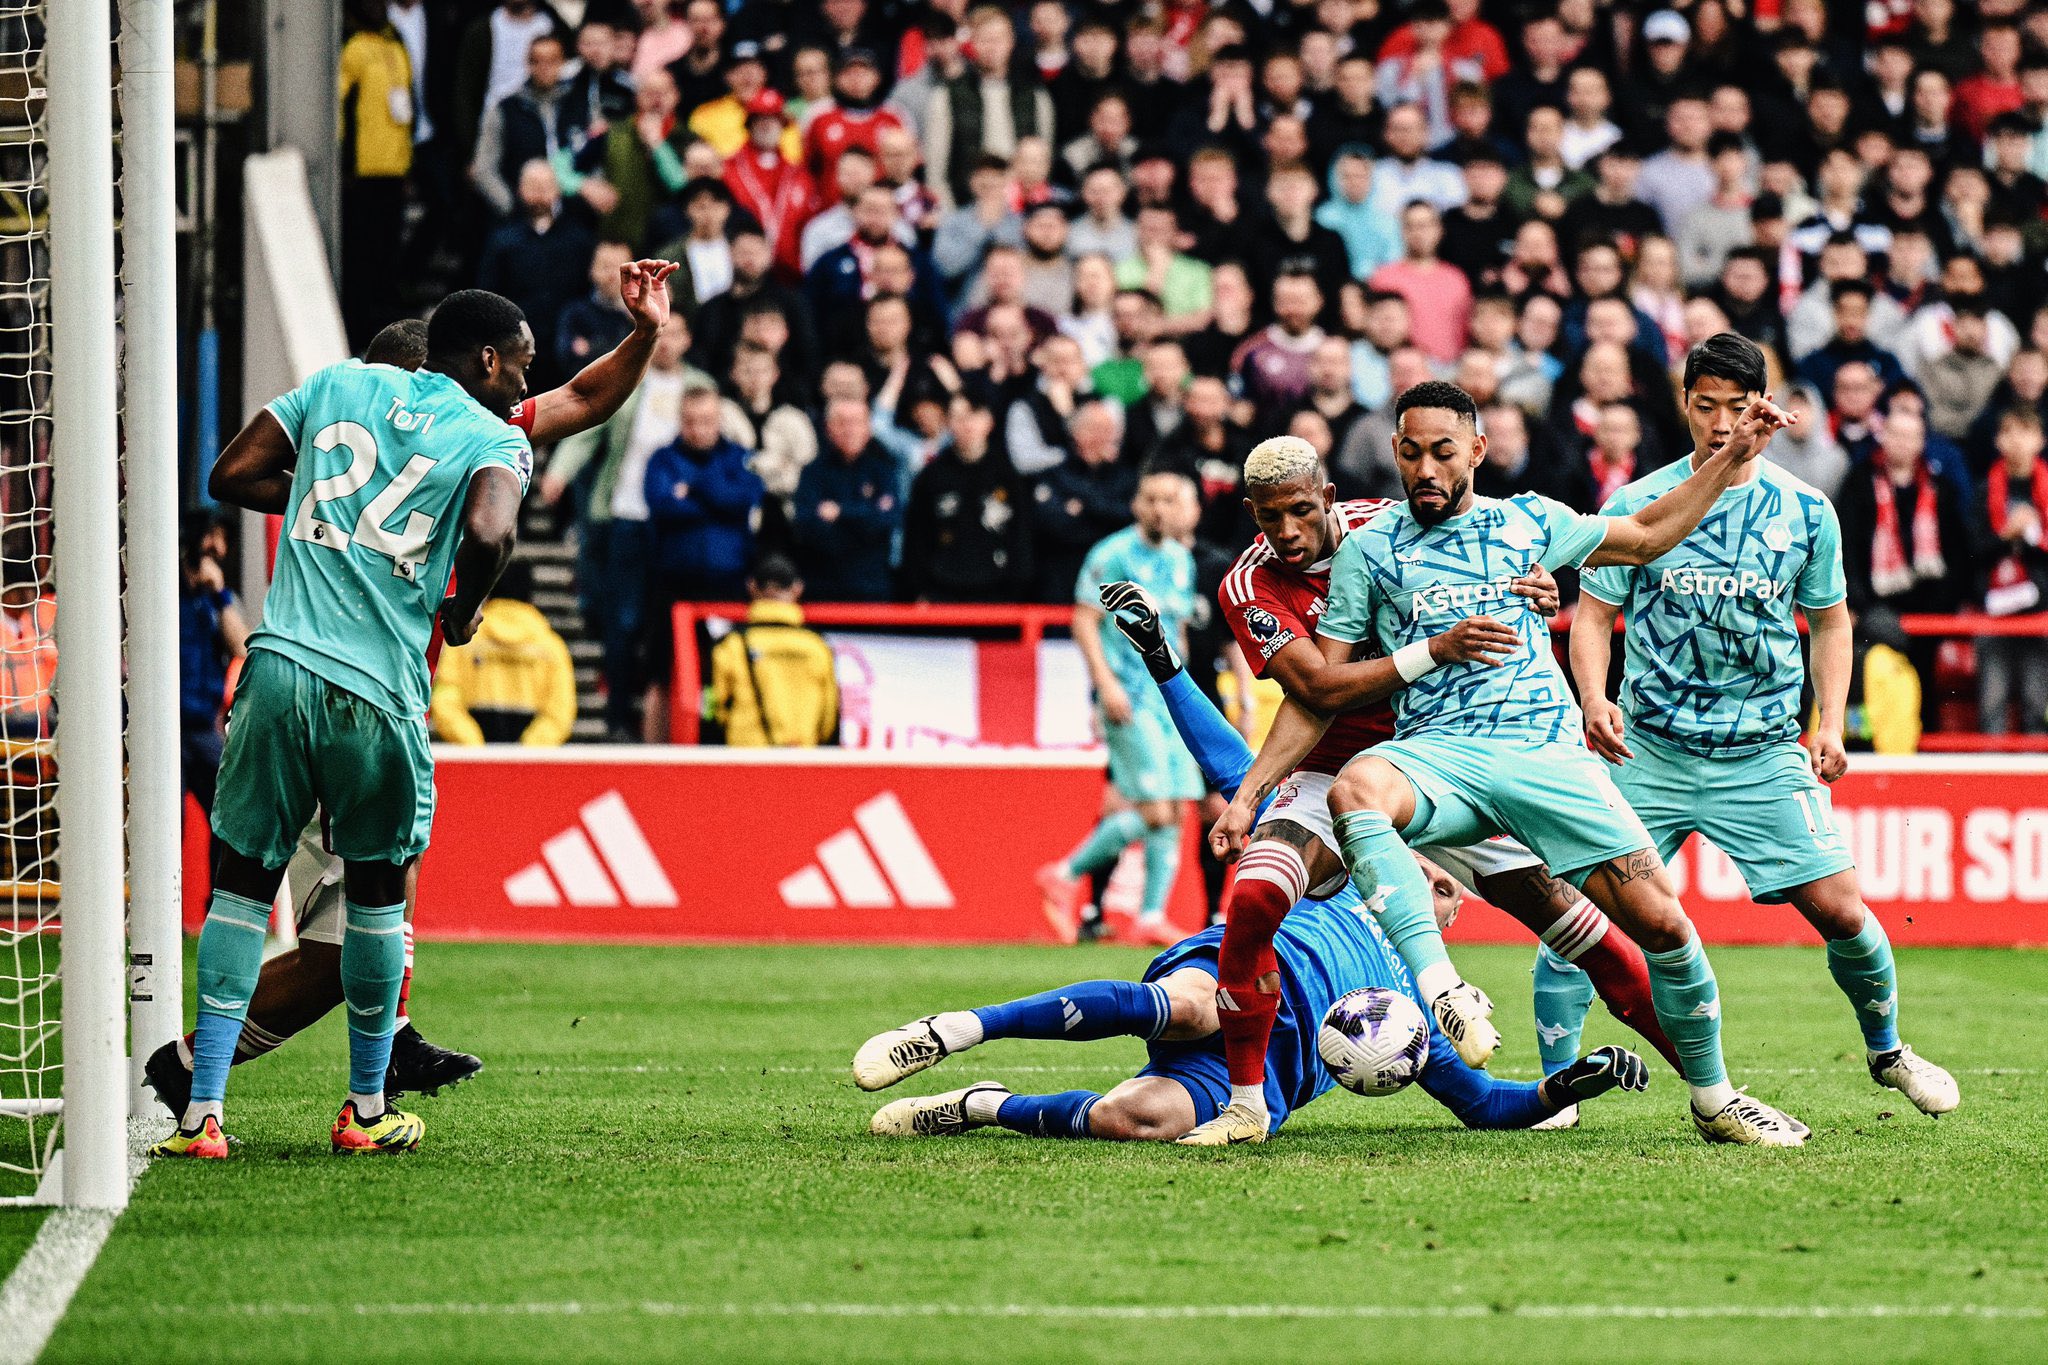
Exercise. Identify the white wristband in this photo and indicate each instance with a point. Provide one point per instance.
(1412, 661)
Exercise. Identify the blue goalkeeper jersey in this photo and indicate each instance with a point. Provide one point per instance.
(385, 457)
(1326, 949)
(1712, 664)
(1397, 581)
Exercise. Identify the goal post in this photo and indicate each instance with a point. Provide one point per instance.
(85, 533)
(149, 372)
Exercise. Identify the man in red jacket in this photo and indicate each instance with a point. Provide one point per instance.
(779, 195)
(855, 118)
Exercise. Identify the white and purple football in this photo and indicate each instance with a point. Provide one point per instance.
(1374, 1041)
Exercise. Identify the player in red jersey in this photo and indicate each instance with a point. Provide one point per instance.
(298, 988)
(1271, 600)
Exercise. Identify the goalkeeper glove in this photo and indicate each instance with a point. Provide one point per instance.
(1596, 1073)
(1137, 616)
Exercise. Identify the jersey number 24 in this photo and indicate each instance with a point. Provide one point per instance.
(406, 547)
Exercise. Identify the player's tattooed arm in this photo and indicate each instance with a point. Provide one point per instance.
(600, 388)
(1295, 732)
(255, 471)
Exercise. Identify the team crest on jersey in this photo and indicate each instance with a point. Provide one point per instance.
(1778, 537)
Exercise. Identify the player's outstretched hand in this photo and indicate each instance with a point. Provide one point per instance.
(643, 289)
(1134, 613)
(456, 628)
(1540, 588)
(1232, 828)
(1760, 421)
(1604, 731)
(1830, 759)
(1475, 640)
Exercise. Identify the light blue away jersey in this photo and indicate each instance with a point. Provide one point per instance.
(1397, 581)
(1712, 663)
(1167, 571)
(385, 458)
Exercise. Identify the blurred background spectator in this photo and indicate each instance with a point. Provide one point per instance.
(513, 682)
(953, 273)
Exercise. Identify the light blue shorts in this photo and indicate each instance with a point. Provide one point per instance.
(1554, 797)
(1766, 811)
(1148, 761)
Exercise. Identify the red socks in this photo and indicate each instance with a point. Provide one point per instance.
(1271, 877)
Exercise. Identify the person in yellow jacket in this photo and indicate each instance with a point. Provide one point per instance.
(772, 681)
(512, 683)
(375, 87)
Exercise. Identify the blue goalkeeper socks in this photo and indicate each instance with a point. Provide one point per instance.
(1064, 1115)
(1377, 858)
(1106, 843)
(1563, 995)
(230, 959)
(1162, 862)
(1862, 967)
(1082, 1012)
(1688, 1002)
(372, 966)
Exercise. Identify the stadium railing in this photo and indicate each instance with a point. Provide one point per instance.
(1031, 622)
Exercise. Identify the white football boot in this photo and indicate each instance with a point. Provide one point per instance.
(1567, 1117)
(933, 1115)
(1233, 1125)
(887, 1058)
(1932, 1090)
(1751, 1123)
(1465, 1016)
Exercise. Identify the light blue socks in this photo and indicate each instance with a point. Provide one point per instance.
(230, 959)
(1563, 995)
(372, 967)
(1862, 967)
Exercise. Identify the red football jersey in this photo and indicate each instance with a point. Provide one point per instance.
(1269, 604)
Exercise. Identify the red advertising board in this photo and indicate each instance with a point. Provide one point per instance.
(709, 844)
(680, 844)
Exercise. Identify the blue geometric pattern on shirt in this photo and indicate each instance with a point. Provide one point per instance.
(1165, 570)
(1712, 663)
(1398, 581)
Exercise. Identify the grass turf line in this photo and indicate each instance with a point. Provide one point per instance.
(725, 1202)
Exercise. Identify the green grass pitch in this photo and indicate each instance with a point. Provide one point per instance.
(666, 1160)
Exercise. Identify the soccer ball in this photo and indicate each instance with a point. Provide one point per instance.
(1374, 1041)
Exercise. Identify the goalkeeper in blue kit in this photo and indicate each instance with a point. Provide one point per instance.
(390, 481)
(1325, 949)
(1706, 737)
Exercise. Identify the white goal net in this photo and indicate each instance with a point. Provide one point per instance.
(89, 792)
(30, 1075)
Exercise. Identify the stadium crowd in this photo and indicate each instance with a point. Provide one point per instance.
(951, 275)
